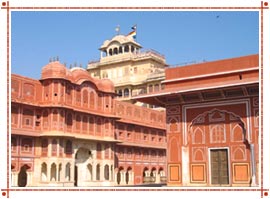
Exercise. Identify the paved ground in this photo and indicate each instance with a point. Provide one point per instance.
(146, 185)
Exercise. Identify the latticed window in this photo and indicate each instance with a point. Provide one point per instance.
(68, 148)
(54, 147)
(217, 134)
(44, 147)
(99, 151)
(27, 144)
(13, 144)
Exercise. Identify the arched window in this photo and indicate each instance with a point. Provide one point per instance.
(120, 50)
(126, 92)
(217, 134)
(118, 177)
(161, 171)
(99, 101)
(110, 52)
(120, 93)
(128, 175)
(44, 172)
(98, 172)
(59, 171)
(156, 87)
(78, 96)
(115, 51)
(69, 93)
(85, 97)
(53, 172)
(126, 49)
(150, 88)
(67, 173)
(145, 170)
(106, 172)
(92, 100)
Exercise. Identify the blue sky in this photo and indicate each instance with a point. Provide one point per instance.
(180, 36)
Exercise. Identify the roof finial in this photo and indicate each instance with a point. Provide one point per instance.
(50, 60)
(75, 64)
(70, 66)
(57, 58)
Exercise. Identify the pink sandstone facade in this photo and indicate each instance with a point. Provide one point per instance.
(212, 114)
(67, 129)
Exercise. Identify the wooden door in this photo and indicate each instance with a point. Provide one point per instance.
(219, 167)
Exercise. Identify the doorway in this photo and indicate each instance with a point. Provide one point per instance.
(219, 167)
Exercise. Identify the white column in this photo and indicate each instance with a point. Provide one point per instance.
(115, 178)
(62, 174)
(94, 171)
(14, 179)
(253, 165)
(49, 172)
(130, 178)
(111, 174)
(101, 173)
(56, 173)
(123, 178)
(185, 166)
(72, 168)
(157, 178)
(29, 179)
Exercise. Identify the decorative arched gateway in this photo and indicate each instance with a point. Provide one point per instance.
(82, 168)
(219, 152)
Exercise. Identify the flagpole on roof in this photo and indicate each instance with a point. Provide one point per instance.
(134, 27)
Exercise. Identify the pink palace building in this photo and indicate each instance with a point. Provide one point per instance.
(67, 129)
